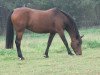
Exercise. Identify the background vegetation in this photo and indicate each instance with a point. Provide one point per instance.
(85, 12)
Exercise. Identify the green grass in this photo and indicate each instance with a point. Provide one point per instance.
(58, 63)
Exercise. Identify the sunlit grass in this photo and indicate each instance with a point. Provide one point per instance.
(58, 63)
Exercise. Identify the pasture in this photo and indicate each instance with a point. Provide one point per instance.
(58, 63)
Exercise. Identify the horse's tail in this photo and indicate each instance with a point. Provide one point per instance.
(9, 33)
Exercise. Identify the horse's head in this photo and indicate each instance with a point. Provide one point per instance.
(76, 46)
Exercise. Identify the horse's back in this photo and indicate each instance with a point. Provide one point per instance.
(26, 14)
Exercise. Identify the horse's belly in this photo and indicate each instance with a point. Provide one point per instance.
(41, 29)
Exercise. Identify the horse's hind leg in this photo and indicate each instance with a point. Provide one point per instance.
(62, 36)
(18, 43)
(49, 43)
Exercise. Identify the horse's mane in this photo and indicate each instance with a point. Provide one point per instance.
(72, 23)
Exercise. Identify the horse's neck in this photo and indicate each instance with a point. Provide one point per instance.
(74, 34)
(71, 27)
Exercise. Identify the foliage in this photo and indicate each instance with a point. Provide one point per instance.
(74, 7)
(93, 44)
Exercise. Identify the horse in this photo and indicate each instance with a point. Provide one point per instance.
(50, 21)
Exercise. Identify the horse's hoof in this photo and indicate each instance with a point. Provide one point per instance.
(46, 56)
(70, 54)
(21, 58)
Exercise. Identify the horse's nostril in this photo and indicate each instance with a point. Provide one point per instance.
(79, 53)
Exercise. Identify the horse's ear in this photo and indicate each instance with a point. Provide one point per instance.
(82, 36)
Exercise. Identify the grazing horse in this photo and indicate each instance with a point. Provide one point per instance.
(42, 21)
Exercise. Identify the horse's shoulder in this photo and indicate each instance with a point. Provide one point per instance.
(55, 10)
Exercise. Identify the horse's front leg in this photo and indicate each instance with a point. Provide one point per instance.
(18, 44)
(62, 36)
(51, 36)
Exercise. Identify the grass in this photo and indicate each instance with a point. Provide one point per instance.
(58, 63)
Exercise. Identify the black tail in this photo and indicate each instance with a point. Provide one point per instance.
(9, 33)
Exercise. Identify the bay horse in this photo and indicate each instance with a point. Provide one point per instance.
(50, 21)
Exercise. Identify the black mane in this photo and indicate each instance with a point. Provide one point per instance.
(74, 27)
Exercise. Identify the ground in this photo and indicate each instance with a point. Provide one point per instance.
(58, 63)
